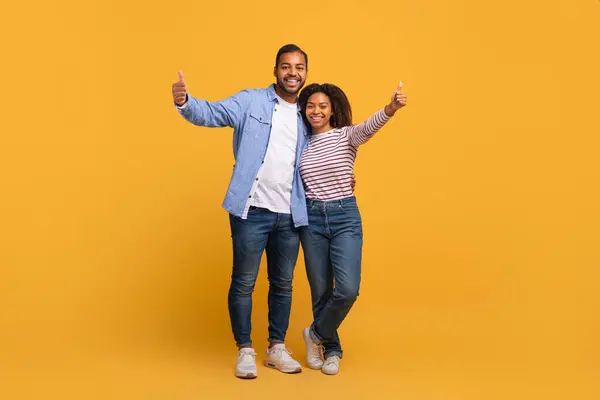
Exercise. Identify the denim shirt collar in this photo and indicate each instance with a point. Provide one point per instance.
(272, 95)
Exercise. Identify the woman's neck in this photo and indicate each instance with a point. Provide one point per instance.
(323, 129)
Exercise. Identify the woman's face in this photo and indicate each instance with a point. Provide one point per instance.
(318, 112)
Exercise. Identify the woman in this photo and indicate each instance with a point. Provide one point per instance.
(332, 243)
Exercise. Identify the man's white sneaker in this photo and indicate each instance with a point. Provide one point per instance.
(278, 357)
(313, 351)
(246, 363)
(331, 366)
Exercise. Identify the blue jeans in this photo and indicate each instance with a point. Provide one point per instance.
(332, 245)
(276, 233)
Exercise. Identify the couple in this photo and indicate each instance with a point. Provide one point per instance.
(292, 182)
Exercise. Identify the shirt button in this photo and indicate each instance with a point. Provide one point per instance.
(250, 196)
(256, 178)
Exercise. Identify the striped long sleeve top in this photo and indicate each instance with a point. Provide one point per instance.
(327, 164)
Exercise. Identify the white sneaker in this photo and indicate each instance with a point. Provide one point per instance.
(246, 363)
(278, 357)
(313, 351)
(331, 366)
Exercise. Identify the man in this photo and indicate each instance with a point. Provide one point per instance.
(265, 198)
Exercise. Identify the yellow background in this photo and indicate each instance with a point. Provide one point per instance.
(480, 200)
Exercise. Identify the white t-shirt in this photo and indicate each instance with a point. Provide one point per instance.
(273, 189)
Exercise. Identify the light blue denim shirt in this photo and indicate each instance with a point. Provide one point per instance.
(249, 113)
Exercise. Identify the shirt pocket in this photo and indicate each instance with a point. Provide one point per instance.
(259, 125)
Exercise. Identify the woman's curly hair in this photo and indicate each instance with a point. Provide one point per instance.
(341, 112)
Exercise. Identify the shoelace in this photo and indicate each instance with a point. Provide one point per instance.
(332, 360)
(317, 351)
(244, 354)
(284, 350)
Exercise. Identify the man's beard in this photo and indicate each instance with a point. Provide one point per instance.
(284, 89)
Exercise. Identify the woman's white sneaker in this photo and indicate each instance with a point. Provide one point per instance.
(246, 363)
(279, 357)
(331, 366)
(314, 359)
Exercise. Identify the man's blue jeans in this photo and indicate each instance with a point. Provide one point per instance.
(276, 233)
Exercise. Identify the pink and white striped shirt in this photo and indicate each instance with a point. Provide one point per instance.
(327, 163)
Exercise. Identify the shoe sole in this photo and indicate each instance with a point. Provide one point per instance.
(248, 375)
(329, 373)
(288, 371)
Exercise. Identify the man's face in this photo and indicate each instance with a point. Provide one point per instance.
(290, 72)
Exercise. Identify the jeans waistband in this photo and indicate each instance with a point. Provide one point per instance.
(343, 202)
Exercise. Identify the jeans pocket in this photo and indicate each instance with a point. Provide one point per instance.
(254, 210)
(350, 208)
